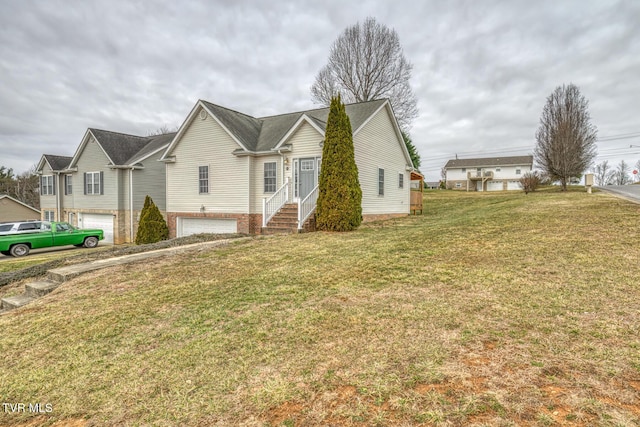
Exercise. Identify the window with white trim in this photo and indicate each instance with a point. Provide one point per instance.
(48, 216)
(380, 182)
(518, 170)
(93, 183)
(68, 184)
(46, 185)
(203, 179)
(400, 180)
(270, 177)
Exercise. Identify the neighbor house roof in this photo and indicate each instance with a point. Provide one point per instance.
(123, 149)
(57, 163)
(490, 162)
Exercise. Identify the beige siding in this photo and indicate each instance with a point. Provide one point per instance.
(67, 200)
(47, 201)
(377, 146)
(93, 159)
(257, 180)
(205, 143)
(13, 211)
(306, 143)
(149, 181)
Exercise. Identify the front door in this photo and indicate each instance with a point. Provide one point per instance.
(306, 176)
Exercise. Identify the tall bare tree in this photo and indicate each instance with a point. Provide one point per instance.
(366, 62)
(566, 139)
(621, 174)
(603, 174)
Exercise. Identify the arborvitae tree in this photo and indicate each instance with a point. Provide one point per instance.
(152, 227)
(339, 205)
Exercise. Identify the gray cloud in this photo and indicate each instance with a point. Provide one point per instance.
(482, 70)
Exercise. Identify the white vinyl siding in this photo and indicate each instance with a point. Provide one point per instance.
(377, 146)
(205, 141)
(148, 181)
(203, 179)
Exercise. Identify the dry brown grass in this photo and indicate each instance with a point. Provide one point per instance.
(491, 309)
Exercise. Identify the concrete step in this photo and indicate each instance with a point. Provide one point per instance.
(39, 289)
(10, 303)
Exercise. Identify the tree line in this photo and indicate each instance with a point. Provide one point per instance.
(23, 187)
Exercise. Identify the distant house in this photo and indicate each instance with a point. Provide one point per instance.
(229, 172)
(14, 210)
(487, 174)
(104, 184)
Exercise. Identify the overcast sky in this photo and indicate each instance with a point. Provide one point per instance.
(481, 69)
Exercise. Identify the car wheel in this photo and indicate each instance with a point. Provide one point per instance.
(90, 242)
(19, 250)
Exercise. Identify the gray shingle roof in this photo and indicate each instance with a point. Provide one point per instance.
(263, 134)
(490, 162)
(125, 149)
(58, 163)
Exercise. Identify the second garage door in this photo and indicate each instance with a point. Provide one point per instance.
(494, 186)
(514, 185)
(101, 221)
(189, 226)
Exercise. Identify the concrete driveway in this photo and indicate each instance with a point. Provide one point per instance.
(630, 192)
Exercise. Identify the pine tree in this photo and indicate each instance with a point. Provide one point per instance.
(339, 206)
(152, 227)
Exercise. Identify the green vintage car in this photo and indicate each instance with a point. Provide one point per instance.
(50, 234)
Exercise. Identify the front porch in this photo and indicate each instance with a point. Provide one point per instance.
(284, 213)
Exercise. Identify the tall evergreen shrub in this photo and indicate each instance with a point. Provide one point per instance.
(339, 205)
(152, 227)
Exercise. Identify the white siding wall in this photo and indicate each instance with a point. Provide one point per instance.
(205, 143)
(257, 181)
(377, 146)
(506, 172)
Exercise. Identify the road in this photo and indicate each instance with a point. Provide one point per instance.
(631, 192)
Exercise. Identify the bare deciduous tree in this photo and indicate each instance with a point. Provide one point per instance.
(621, 174)
(566, 139)
(603, 174)
(164, 129)
(365, 63)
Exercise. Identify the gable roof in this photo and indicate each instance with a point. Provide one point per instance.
(258, 135)
(5, 196)
(490, 162)
(56, 163)
(122, 149)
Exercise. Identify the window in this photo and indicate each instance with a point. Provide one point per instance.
(46, 185)
(497, 169)
(306, 165)
(380, 182)
(464, 170)
(458, 185)
(518, 170)
(203, 179)
(93, 183)
(400, 180)
(270, 177)
(48, 216)
(68, 184)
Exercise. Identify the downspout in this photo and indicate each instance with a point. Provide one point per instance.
(131, 205)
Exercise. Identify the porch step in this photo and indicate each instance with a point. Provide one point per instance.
(39, 289)
(284, 221)
(10, 303)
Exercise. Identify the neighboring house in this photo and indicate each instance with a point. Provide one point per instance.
(231, 172)
(487, 174)
(14, 210)
(105, 183)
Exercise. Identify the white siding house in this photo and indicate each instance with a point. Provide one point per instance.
(487, 174)
(226, 169)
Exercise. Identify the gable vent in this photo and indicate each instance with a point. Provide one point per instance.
(203, 115)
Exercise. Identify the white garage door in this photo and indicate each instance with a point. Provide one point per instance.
(101, 221)
(494, 186)
(514, 185)
(189, 226)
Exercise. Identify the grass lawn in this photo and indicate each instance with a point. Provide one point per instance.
(491, 309)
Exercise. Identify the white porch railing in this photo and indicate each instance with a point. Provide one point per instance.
(306, 206)
(273, 204)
